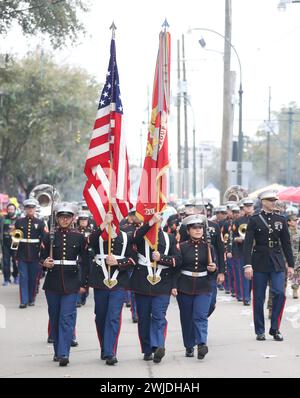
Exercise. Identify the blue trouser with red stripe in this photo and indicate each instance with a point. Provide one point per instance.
(152, 323)
(29, 274)
(62, 316)
(244, 282)
(108, 311)
(260, 281)
(193, 318)
(237, 278)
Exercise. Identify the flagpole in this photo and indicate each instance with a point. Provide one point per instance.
(158, 183)
(113, 29)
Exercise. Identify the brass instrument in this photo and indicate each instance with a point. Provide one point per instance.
(242, 230)
(45, 194)
(225, 238)
(16, 235)
(235, 193)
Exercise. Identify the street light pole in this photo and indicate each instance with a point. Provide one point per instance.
(290, 148)
(186, 146)
(187, 101)
(240, 132)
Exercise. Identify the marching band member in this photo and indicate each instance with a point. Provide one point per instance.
(28, 252)
(240, 226)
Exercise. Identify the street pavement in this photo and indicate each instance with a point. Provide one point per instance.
(233, 350)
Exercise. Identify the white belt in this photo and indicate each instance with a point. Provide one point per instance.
(195, 274)
(100, 257)
(30, 240)
(65, 262)
(143, 261)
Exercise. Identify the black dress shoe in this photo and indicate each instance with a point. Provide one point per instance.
(260, 337)
(103, 357)
(246, 302)
(189, 352)
(134, 320)
(31, 304)
(74, 343)
(202, 351)
(232, 294)
(159, 354)
(55, 359)
(111, 361)
(63, 361)
(78, 305)
(22, 306)
(148, 357)
(50, 341)
(276, 335)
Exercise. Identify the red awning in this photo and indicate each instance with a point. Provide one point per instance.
(290, 194)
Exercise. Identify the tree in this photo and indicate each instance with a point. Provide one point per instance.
(45, 122)
(57, 18)
(256, 149)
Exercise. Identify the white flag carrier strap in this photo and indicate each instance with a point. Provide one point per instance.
(100, 259)
(154, 277)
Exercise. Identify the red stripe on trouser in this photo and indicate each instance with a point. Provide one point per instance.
(280, 315)
(117, 339)
(165, 331)
(20, 293)
(49, 328)
(253, 301)
(234, 279)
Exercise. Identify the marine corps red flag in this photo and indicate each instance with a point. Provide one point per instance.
(108, 183)
(153, 185)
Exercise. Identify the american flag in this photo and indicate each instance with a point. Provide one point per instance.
(106, 165)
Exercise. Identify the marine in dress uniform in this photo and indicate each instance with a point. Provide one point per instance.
(213, 236)
(232, 280)
(64, 279)
(193, 287)
(28, 252)
(269, 234)
(238, 250)
(295, 241)
(86, 229)
(153, 295)
(129, 225)
(110, 289)
(9, 255)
